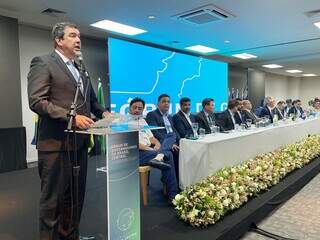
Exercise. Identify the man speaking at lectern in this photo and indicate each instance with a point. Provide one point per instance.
(52, 83)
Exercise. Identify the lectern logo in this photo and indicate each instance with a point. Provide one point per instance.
(125, 219)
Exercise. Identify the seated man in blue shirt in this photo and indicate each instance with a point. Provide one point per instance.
(161, 118)
(151, 152)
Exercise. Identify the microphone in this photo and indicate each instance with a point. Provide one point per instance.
(81, 63)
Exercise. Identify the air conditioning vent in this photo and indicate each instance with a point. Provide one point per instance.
(205, 14)
(53, 12)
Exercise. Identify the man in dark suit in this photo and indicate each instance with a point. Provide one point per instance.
(279, 110)
(52, 82)
(183, 120)
(288, 105)
(247, 112)
(237, 115)
(161, 118)
(226, 119)
(296, 109)
(206, 117)
(267, 111)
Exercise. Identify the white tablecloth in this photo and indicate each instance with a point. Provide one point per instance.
(203, 157)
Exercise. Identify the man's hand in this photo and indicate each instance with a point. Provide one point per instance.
(106, 114)
(157, 146)
(83, 122)
(175, 148)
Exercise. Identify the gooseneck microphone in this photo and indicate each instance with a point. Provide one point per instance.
(81, 63)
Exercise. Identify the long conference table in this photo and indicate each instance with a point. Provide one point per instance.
(203, 157)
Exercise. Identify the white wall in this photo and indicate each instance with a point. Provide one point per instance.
(35, 42)
(282, 87)
(276, 86)
(309, 89)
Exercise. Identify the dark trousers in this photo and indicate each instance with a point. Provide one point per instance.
(169, 176)
(168, 142)
(57, 217)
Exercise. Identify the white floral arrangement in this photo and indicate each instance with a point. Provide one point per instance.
(208, 201)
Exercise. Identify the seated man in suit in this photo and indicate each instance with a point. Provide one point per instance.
(296, 109)
(258, 110)
(316, 105)
(247, 112)
(151, 152)
(183, 120)
(267, 111)
(279, 110)
(161, 118)
(226, 119)
(206, 117)
(288, 105)
(237, 115)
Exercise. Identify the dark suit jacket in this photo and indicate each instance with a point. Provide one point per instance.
(201, 119)
(51, 89)
(238, 118)
(276, 111)
(154, 118)
(265, 112)
(294, 111)
(249, 115)
(182, 125)
(225, 121)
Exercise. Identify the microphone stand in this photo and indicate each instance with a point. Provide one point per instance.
(71, 128)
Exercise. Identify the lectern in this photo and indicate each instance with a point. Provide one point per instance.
(122, 179)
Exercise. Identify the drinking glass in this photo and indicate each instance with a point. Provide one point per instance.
(195, 127)
(249, 122)
(202, 132)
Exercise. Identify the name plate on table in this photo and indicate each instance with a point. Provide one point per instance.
(123, 191)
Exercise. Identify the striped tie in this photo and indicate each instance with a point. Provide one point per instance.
(75, 74)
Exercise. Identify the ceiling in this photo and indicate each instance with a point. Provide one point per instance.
(277, 31)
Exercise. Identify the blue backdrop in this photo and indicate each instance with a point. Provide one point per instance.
(146, 72)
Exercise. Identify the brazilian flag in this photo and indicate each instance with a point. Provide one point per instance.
(36, 123)
(102, 139)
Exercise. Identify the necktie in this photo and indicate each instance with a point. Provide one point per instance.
(167, 123)
(75, 74)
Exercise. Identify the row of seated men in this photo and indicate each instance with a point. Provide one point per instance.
(282, 109)
(160, 148)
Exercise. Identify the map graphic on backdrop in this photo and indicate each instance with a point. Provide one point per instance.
(146, 72)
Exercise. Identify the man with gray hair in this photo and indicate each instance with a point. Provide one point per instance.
(267, 111)
(52, 83)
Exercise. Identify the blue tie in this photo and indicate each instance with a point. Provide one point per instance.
(75, 74)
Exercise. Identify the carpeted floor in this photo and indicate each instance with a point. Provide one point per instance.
(298, 218)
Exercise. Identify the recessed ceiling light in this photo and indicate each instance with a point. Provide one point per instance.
(244, 56)
(317, 24)
(272, 66)
(202, 49)
(227, 41)
(309, 75)
(151, 16)
(118, 27)
(294, 71)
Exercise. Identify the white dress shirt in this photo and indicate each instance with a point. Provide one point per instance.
(74, 71)
(187, 117)
(144, 134)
